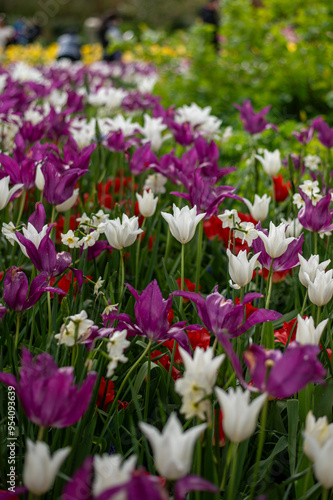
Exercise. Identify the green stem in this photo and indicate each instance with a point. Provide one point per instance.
(316, 243)
(49, 312)
(137, 256)
(121, 274)
(167, 247)
(226, 468)
(171, 364)
(318, 315)
(260, 447)
(304, 303)
(182, 272)
(234, 469)
(115, 401)
(41, 432)
(269, 285)
(324, 495)
(148, 385)
(21, 208)
(199, 256)
(17, 330)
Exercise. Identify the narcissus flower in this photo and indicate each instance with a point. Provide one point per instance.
(172, 448)
(239, 415)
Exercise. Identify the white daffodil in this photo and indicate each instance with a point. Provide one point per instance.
(183, 223)
(198, 381)
(112, 470)
(306, 332)
(40, 469)
(173, 448)
(76, 327)
(6, 193)
(247, 232)
(260, 207)
(70, 239)
(276, 242)
(229, 218)
(308, 268)
(240, 268)
(147, 203)
(271, 161)
(122, 234)
(89, 240)
(312, 162)
(115, 347)
(239, 415)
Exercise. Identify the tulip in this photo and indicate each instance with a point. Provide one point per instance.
(152, 132)
(271, 161)
(111, 470)
(275, 242)
(306, 332)
(308, 268)
(316, 217)
(16, 286)
(323, 460)
(321, 289)
(6, 193)
(47, 393)
(40, 469)
(67, 204)
(173, 448)
(283, 374)
(240, 269)
(183, 222)
(319, 430)
(260, 207)
(122, 234)
(253, 123)
(151, 317)
(324, 132)
(239, 415)
(147, 203)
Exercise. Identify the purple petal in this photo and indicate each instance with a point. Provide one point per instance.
(38, 217)
(192, 483)
(80, 486)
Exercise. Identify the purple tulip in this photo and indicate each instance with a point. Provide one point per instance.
(143, 158)
(316, 218)
(305, 135)
(76, 158)
(151, 317)
(141, 486)
(169, 166)
(254, 123)
(59, 182)
(45, 258)
(324, 132)
(16, 286)
(287, 260)
(19, 173)
(203, 194)
(284, 374)
(47, 393)
(182, 133)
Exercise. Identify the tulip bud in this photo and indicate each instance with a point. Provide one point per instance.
(271, 162)
(147, 203)
(260, 207)
(240, 269)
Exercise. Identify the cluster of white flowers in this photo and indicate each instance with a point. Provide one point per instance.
(115, 347)
(319, 282)
(311, 189)
(200, 119)
(198, 381)
(74, 329)
(243, 230)
(152, 132)
(312, 162)
(90, 228)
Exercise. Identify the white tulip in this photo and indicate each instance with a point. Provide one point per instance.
(5, 192)
(308, 268)
(111, 470)
(276, 242)
(319, 430)
(39, 178)
(147, 203)
(67, 204)
(321, 289)
(240, 269)
(40, 469)
(323, 461)
(306, 332)
(294, 227)
(271, 161)
(239, 415)
(183, 223)
(152, 132)
(122, 234)
(260, 207)
(173, 448)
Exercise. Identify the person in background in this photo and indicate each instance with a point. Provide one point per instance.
(209, 14)
(69, 46)
(6, 32)
(109, 35)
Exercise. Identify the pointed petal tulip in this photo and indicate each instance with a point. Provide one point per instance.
(323, 461)
(324, 132)
(284, 374)
(259, 208)
(321, 289)
(47, 393)
(38, 217)
(316, 218)
(271, 162)
(173, 448)
(183, 222)
(40, 469)
(192, 483)
(308, 268)
(240, 269)
(306, 332)
(239, 415)
(253, 123)
(6, 193)
(122, 234)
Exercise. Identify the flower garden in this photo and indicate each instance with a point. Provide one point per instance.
(166, 282)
